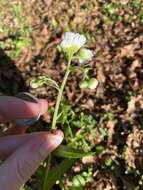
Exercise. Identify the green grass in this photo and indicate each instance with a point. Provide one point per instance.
(111, 12)
(16, 27)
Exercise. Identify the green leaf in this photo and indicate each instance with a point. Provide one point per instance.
(109, 162)
(99, 149)
(58, 171)
(68, 152)
(54, 23)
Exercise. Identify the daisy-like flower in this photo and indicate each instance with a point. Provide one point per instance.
(72, 42)
(84, 55)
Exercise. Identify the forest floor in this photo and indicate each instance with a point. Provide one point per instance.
(30, 31)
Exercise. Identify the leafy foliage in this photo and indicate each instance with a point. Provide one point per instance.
(56, 172)
(77, 126)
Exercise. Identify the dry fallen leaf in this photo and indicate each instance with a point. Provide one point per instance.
(128, 50)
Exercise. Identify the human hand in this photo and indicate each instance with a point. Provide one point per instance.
(24, 152)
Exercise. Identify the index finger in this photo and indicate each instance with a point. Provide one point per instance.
(15, 108)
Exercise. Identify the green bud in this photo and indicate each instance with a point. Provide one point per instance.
(92, 83)
(83, 84)
(84, 55)
(78, 180)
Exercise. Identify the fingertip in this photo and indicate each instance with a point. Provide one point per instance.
(58, 137)
(59, 133)
(52, 138)
(50, 141)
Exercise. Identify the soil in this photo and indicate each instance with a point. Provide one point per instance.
(117, 43)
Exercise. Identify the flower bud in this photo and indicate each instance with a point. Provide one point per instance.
(83, 84)
(92, 83)
(84, 55)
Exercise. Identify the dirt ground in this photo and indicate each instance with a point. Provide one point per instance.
(114, 29)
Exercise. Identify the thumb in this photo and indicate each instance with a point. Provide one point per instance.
(24, 161)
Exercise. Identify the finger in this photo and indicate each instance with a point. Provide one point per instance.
(22, 163)
(14, 108)
(43, 104)
(8, 144)
(15, 130)
(2, 119)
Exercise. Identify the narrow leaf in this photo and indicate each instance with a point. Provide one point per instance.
(58, 171)
(68, 152)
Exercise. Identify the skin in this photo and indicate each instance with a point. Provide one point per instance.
(23, 152)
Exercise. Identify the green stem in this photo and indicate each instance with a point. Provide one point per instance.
(48, 162)
(60, 96)
(53, 127)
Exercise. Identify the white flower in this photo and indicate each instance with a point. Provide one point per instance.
(84, 55)
(72, 42)
(73, 39)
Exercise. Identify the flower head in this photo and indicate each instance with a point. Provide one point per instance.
(72, 42)
(84, 55)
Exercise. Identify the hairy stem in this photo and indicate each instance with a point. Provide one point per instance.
(53, 127)
(60, 96)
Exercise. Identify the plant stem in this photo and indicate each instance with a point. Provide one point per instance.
(60, 96)
(53, 127)
(47, 171)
